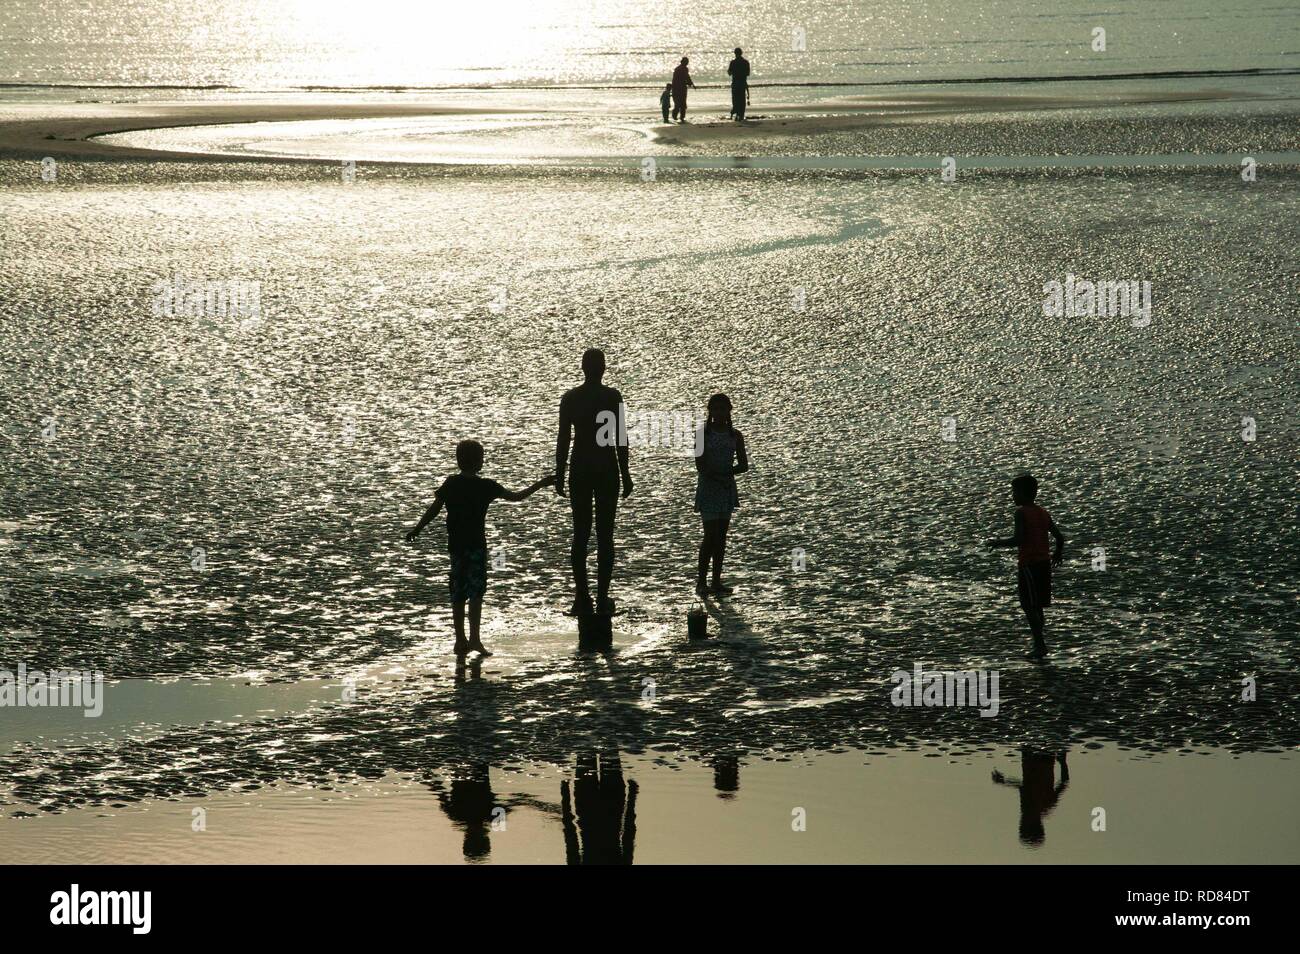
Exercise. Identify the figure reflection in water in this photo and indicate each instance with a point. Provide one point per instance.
(472, 806)
(605, 809)
(726, 775)
(469, 801)
(1039, 791)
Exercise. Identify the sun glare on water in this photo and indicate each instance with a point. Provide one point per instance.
(378, 39)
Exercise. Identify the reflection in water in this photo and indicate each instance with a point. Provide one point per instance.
(605, 810)
(726, 775)
(1039, 791)
(469, 800)
(470, 804)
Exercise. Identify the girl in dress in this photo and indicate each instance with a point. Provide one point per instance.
(719, 457)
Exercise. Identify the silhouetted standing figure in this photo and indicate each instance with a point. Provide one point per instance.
(605, 833)
(719, 456)
(738, 70)
(591, 415)
(1034, 572)
(1039, 792)
(681, 82)
(467, 496)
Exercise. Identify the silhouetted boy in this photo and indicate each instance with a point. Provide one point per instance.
(1033, 524)
(466, 496)
(665, 99)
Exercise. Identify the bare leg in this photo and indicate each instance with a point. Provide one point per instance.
(606, 501)
(1035, 616)
(706, 554)
(719, 550)
(458, 621)
(475, 614)
(582, 500)
(606, 506)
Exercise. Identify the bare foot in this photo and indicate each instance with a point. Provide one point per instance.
(460, 649)
(479, 648)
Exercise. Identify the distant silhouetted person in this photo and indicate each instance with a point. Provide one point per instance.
(1038, 790)
(1033, 524)
(592, 414)
(466, 496)
(605, 808)
(681, 82)
(470, 804)
(738, 70)
(719, 456)
(665, 99)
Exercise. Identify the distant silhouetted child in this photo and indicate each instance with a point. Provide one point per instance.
(1033, 524)
(466, 496)
(666, 99)
(719, 457)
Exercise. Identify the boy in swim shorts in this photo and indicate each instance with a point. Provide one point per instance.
(1033, 524)
(466, 496)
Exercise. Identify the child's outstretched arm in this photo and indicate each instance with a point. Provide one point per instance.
(1060, 542)
(517, 495)
(1012, 541)
(434, 509)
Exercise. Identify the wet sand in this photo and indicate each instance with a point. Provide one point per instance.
(73, 131)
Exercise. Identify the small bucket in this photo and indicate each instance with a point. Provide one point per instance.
(594, 632)
(697, 623)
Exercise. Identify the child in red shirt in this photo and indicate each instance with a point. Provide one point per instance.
(1033, 524)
